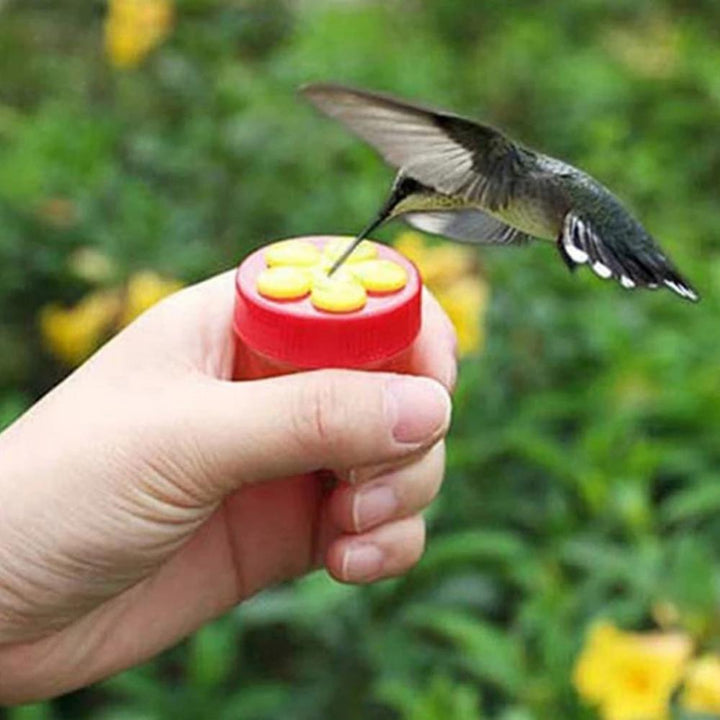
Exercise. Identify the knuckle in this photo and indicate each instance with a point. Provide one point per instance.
(321, 418)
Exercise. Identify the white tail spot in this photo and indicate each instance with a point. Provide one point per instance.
(576, 254)
(681, 290)
(602, 270)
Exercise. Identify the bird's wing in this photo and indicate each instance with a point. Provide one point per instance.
(472, 226)
(580, 243)
(444, 151)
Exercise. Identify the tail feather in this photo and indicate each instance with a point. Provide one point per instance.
(633, 266)
(676, 283)
(658, 271)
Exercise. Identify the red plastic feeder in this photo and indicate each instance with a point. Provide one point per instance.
(276, 337)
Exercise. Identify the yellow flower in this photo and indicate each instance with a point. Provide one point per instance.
(135, 27)
(438, 264)
(630, 676)
(450, 273)
(144, 289)
(464, 302)
(72, 334)
(702, 686)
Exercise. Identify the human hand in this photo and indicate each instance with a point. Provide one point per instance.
(140, 498)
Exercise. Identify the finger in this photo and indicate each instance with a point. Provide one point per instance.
(236, 433)
(190, 327)
(386, 551)
(433, 353)
(396, 493)
(198, 318)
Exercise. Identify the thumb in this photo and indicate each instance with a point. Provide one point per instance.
(334, 419)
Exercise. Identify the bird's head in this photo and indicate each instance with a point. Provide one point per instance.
(409, 195)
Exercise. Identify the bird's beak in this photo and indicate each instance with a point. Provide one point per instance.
(386, 213)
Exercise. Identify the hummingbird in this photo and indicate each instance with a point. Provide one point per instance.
(469, 182)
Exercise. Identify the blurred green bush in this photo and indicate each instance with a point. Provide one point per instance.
(584, 458)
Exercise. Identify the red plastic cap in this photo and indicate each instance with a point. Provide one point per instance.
(296, 333)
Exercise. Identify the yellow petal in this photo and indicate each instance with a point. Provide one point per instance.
(702, 686)
(144, 289)
(283, 283)
(134, 27)
(337, 295)
(631, 676)
(73, 334)
(292, 252)
(465, 303)
(366, 250)
(380, 276)
(593, 668)
(439, 265)
(413, 246)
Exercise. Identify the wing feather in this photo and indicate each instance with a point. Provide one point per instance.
(473, 226)
(444, 151)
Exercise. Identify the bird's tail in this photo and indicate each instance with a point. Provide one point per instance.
(632, 266)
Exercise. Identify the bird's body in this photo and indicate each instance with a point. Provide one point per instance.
(469, 182)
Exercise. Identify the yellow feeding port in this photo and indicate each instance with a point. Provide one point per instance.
(366, 250)
(380, 276)
(296, 268)
(292, 252)
(337, 295)
(284, 283)
(319, 273)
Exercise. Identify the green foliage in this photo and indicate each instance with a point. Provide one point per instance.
(441, 700)
(40, 711)
(584, 456)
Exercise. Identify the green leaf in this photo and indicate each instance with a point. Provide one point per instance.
(212, 654)
(486, 651)
(305, 602)
(34, 711)
(11, 407)
(260, 701)
(695, 503)
(473, 546)
(439, 699)
(137, 685)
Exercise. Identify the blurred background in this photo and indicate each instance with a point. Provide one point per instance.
(146, 144)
